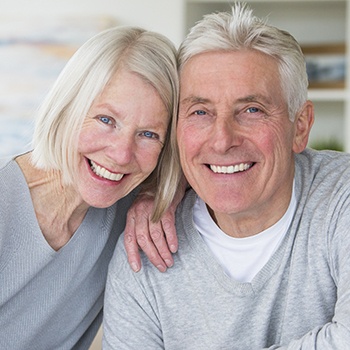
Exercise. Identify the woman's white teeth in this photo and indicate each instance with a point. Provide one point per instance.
(230, 169)
(102, 172)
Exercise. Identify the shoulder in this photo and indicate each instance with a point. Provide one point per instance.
(323, 191)
(12, 180)
(11, 171)
(323, 169)
(6, 163)
(190, 245)
(119, 266)
(119, 259)
(322, 161)
(184, 212)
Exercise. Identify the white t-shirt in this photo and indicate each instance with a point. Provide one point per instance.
(241, 258)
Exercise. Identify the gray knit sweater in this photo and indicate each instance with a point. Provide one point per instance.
(299, 300)
(51, 300)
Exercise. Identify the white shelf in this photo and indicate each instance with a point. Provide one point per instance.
(339, 95)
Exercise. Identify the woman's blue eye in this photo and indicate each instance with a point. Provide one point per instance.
(105, 120)
(150, 135)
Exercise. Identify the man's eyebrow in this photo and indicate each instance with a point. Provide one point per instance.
(254, 98)
(249, 98)
(194, 99)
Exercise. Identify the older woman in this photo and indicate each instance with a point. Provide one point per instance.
(99, 134)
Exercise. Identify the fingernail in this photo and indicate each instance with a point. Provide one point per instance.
(135, 267)
(168, 262)
(161, 268)
(173, 249)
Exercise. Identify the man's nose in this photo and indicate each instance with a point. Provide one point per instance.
(226, 134)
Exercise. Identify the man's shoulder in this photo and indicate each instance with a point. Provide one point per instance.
(322, 156)
(185, 208)
(322, 179)
(324, 163)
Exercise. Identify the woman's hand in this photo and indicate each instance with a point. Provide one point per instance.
(157, 240)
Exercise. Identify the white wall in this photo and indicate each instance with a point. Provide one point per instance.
(158, 15)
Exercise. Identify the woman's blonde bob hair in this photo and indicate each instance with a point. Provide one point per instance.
(148, 54)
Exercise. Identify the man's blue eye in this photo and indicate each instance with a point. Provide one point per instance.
(200, 112)
(253, 110)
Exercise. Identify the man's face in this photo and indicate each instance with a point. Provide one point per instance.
(235, 137)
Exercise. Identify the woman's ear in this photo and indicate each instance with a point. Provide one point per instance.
(303, 123)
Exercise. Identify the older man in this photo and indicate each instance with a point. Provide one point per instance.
(264, 240)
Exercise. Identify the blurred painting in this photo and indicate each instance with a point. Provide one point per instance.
(325, 65)
(32, 54)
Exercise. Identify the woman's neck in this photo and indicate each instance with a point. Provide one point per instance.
(59, 209)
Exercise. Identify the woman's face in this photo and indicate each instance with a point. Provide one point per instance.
(121, 139)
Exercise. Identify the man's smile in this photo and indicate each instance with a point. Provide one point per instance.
(231, 169)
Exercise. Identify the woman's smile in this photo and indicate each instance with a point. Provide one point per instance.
(104, 173)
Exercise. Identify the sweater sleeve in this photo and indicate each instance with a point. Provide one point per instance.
(130, 320)
(334, 335)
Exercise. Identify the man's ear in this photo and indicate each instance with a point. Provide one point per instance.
(303, 123)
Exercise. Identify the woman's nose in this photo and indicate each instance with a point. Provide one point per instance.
(122, 149)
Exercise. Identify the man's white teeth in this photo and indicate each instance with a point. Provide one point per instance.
(102, 172)
(230, 169)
